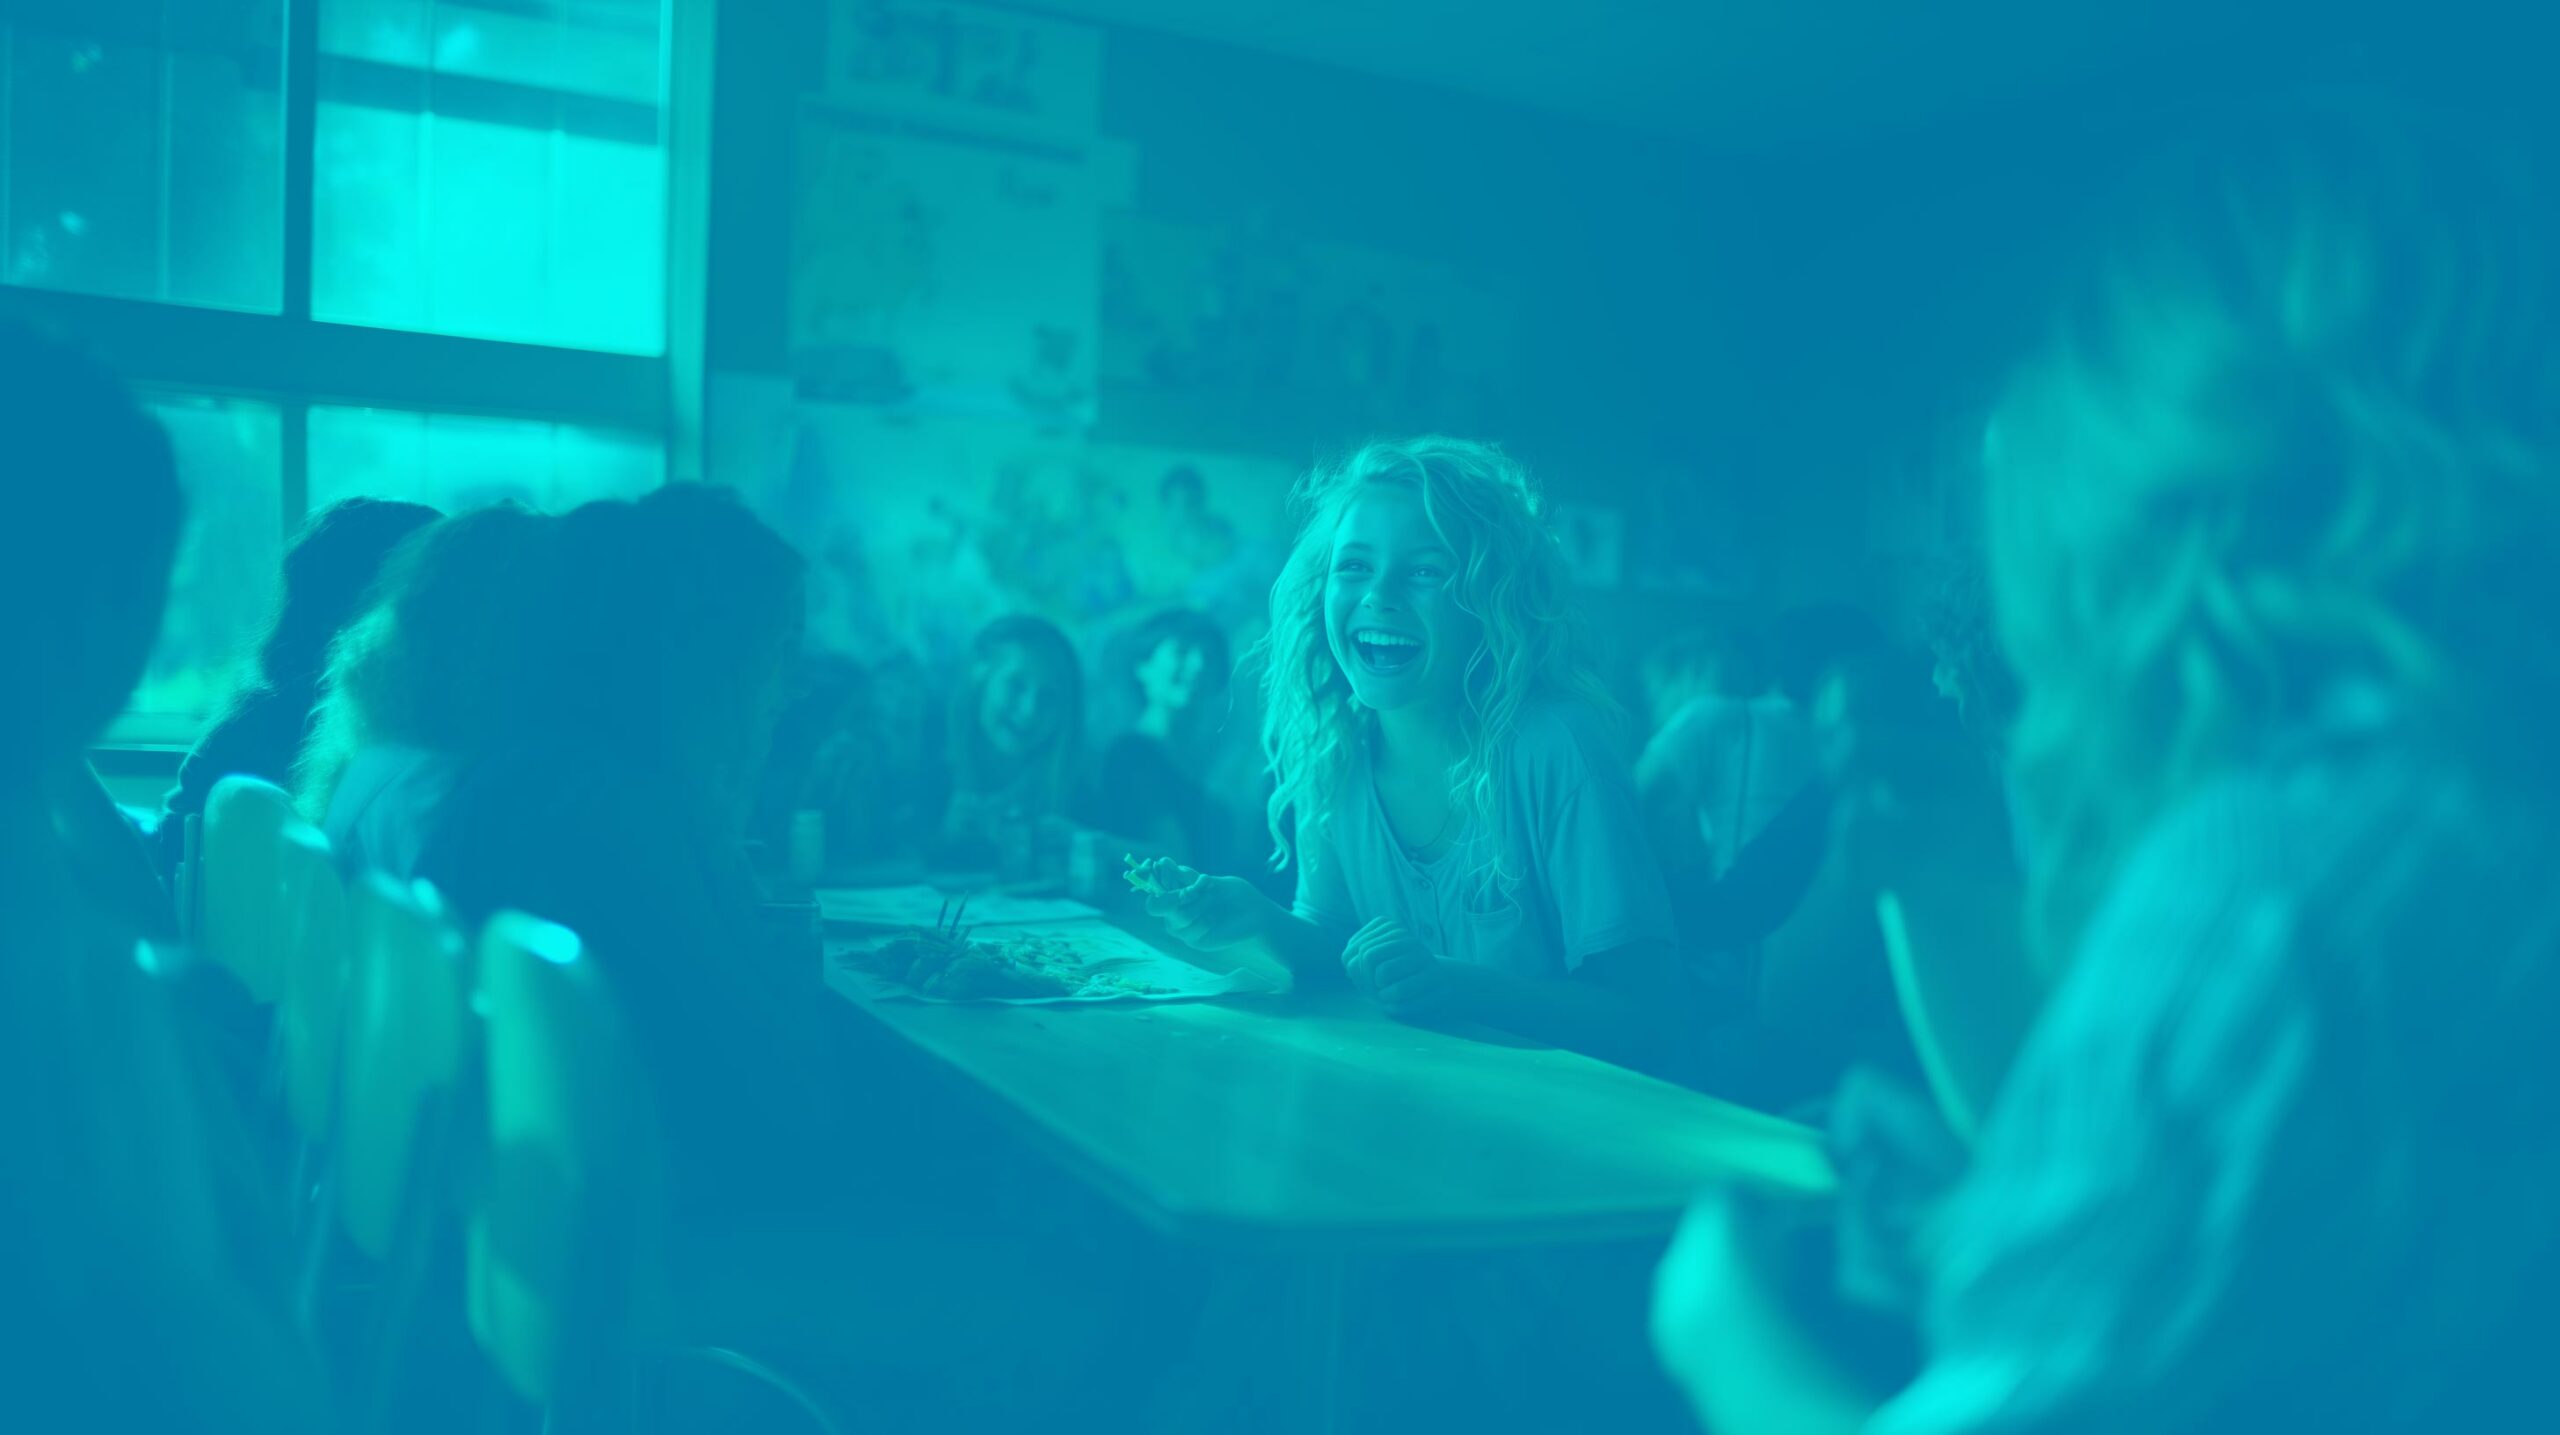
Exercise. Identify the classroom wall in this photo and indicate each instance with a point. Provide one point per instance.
(1910, 265)
(1768, 359)
(1613, 259)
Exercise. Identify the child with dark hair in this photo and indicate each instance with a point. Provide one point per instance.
(1728, 750)
(129, 1301)
(328, 572)
(615, 803)
(1150, 787)
(1734, 803)
(669, 635)
(1016, 744)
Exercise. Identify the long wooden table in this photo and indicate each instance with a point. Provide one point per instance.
(1313, 1120)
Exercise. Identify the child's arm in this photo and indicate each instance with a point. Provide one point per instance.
(1215, 914)
(1623, 1006)
(1729, 1336)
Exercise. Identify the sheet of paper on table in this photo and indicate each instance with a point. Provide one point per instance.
(918, 905)
(1107, 949)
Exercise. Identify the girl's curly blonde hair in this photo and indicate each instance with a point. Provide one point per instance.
(2298, 434)
(1510, 577)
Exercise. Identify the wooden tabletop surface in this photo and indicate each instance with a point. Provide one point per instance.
(1314, 1119)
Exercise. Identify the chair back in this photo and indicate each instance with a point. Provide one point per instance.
(407, 1039)
(245, 917)
(562, 1286)
(558, 1236)
(312, 970)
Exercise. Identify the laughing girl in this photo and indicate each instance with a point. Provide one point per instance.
(1465, 842)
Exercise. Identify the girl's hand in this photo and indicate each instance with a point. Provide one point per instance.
(1155, 876)
(1694, 1297)
(1730, 1337)
(1210, 913)
(1387, 962)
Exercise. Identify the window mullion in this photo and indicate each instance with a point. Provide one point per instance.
(301, 159)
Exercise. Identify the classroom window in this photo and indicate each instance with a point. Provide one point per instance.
(223, 588)
(142, 149)
(493, 169)
(457, 462)
(463, 171)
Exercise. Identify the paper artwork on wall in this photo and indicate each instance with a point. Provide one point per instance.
(919, 532)
(1243, 336)
(947, 278)
(975, 68)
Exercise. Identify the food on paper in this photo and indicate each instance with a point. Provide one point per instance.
(960, 965)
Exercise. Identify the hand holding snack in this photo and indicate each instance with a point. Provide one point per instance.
(1156, 876)
(1209, 913)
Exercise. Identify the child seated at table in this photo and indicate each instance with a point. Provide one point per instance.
(328, 573)
(1016, 739)
(427, 681)
(141, 1260)
(2271, 526)
(1466, 842)
(1150, 782)
(616, 804)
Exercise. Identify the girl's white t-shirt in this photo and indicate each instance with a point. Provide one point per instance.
(1576, 874)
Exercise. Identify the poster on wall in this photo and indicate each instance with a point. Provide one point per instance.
(921, 531)
(976, 68)
(1244, 336)
(945, 277)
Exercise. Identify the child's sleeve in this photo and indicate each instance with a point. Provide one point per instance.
(1607, 887)
(1323, 896)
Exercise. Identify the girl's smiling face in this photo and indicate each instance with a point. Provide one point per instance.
(1391, 610)
(1019, 706)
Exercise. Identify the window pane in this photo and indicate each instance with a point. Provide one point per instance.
(142, 149)
(604, 48)
(458, 462)
(365, 241)
(223, 590)
(493, 169)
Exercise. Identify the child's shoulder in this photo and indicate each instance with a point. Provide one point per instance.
(1563, 735)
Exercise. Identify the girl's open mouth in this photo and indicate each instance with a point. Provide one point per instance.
(1382, 651)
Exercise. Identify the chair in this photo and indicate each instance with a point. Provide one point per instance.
(407, 1037)
(246, 919)
(271, 913)
(378, 1276)
(558, 1235)
(312, 962)
(562, 1246)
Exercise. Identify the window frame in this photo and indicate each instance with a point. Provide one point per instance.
(294, 361)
